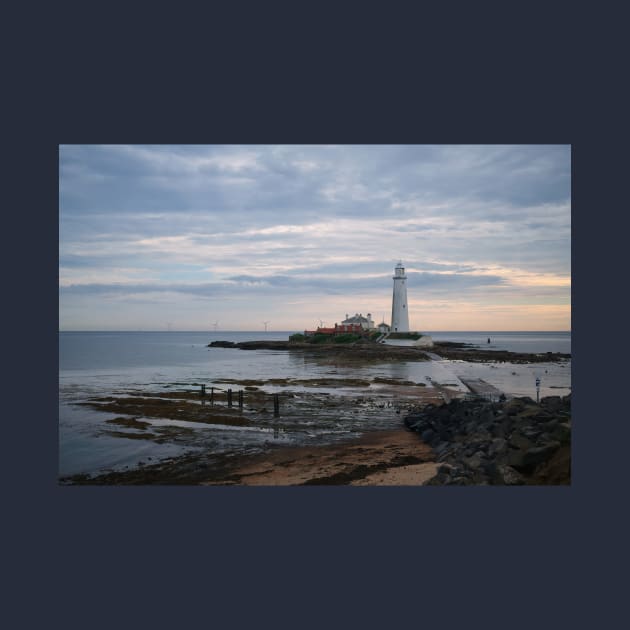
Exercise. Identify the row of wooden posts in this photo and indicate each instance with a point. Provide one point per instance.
(276, 398)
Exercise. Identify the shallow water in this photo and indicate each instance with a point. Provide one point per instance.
(105, 364)
(511, 341)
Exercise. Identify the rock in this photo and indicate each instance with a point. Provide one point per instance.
(500, 431)
(509, 476)
(460, 481)
(441, 448)
(441, 479)
(562, 433)
(519, 441)
(553, 403)
(486, 416)
(516, 459)
(544, 438)
(539, 454)
(498, 445)
(514, 406)
(531, 433)
(476, 460)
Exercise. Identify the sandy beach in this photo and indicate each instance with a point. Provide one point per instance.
(391, 457)
(378, 458)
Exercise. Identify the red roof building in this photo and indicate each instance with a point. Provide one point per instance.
(339, 329)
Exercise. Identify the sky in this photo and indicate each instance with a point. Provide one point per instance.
(228, 237)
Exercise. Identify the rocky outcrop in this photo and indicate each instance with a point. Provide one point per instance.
(361, 349)
(467, 352)
(365, 349)
(507, 443)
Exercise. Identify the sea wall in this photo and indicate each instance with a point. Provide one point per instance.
(516, 442)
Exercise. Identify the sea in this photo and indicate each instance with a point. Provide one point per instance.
(100, 364)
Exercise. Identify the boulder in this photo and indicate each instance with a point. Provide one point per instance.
(516, 459)
(497, 446)
(531, 433)
(539, 454)
(562, 433)
(509, 476)
(519, 441)
(552, 403)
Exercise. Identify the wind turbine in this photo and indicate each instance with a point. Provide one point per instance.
(265, 323)
(216, 324)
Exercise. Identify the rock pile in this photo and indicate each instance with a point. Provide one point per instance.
(456, 351)
(507, 443)
(361, 349)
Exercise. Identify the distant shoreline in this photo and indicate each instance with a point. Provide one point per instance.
(371, 350)
(291, 332)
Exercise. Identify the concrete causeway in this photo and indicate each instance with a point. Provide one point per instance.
(482, 388)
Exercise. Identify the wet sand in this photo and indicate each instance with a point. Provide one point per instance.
(395, 457)
(392, 457)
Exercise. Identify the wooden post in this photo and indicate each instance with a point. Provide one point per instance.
(212, 395)
(276, 405)
(229, 397)
(203, 391)
(240, 399)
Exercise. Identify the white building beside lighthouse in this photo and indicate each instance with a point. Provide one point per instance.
(400, 312)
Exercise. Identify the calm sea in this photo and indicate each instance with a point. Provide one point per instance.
(511, 341)
(93, 364)
(124, 350)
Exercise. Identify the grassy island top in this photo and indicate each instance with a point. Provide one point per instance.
(326, 338)
(349, 337)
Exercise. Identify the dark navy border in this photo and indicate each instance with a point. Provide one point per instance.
(309, 557)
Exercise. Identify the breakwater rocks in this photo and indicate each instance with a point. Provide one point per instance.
(359, 350)
(518, 442)
(467, 352)
(369, 350)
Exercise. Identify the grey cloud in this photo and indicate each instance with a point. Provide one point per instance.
(296, 284)
(100, 178)
(468, 207)
(451, 281)
(205, 289)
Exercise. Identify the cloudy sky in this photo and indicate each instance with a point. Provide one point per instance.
(186, 237)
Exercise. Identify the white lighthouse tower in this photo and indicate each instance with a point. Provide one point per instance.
(400, 312)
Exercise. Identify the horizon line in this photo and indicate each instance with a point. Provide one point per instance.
(137, 330)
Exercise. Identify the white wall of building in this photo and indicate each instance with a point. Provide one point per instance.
(400, 308)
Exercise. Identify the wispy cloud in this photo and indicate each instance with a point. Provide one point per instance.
(294, 229)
